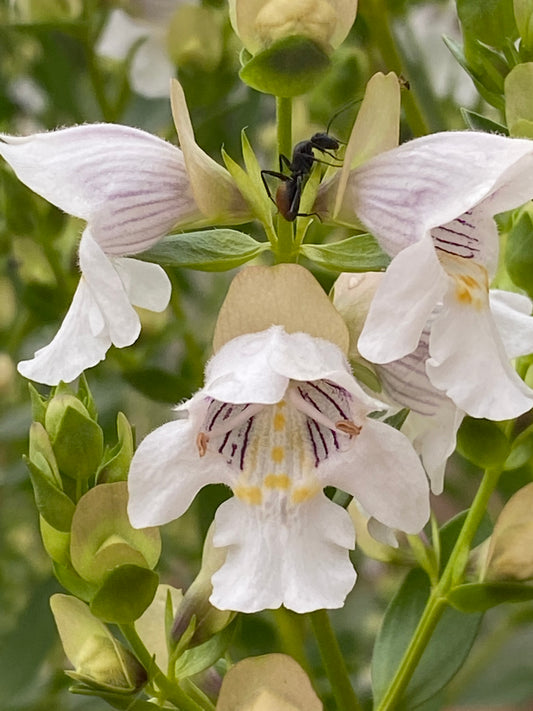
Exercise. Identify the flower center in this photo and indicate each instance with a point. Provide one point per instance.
(275, 450)
(470, 280)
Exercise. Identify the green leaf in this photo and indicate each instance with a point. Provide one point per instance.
(450, 532)
(490, 21)
(360, 253)
(477, 122)
(289, 67)
(444, 655)
(482, 442)
(521, 450)
(125, 594)
(206, 250)
(53, 505)
(518, 105)
(117, 460)
(195, 660)
(519, 252)
(78, 444)
(478, 597)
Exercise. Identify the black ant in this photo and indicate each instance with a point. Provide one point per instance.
(289, 192)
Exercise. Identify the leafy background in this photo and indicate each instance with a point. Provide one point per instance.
(50, 76)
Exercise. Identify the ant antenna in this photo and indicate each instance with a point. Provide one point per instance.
(342, 110)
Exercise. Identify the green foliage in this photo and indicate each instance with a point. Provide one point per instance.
(449, 646)
(479, 597)
(210, 250)
(360, 253)
(519, 252)
(124, 594)
(482, 442)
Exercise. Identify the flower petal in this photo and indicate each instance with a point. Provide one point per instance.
(214, 189)
(81, 342)
(299, 560)
(167, 471)
(384, 474)
(468, 361)
(120, 33)
(130, 186)
(108, 292)
(402, 304)
(151, 68)
(146, 285)
(402, 194)
(512, 316)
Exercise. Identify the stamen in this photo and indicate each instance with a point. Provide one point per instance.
(201, 442)
(347, 426)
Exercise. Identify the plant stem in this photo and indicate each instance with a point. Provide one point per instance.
(378, 22)
(170, 691)
(436, 604)
(284, 130)
(333, 661)
(290, 629)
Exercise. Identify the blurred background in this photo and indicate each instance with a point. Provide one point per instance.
(65, 62)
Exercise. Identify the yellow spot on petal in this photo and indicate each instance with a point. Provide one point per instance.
(277, 454)
(471, 280)
(277, 481)
(303, 493)
(278, 422)
(249, 494)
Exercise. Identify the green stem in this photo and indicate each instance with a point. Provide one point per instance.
(436, 604)
(378, 22)
(284, 130)
(291, 632)
(170, 691)
(333, 661)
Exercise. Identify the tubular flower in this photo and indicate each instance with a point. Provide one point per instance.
(132, 188)
(434, 418)
(279, 418)
(430, 204)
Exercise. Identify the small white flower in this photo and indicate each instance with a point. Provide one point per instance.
(279, 418)
(430, 203)
(132, 188)
(151, 67)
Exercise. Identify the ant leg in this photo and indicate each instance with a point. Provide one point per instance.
(274, 174)
(284, 162)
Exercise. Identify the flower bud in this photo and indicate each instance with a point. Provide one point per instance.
(523, 12)
(260, 23)
(518, 106)
(76, 438)
(510, 554)
(208, 619)
(99, 660)
(272, 681)
(194, 38)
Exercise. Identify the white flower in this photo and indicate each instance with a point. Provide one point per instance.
(430, 203)
(434, 418)
(151, 67)
(132, 188)
(279, 418)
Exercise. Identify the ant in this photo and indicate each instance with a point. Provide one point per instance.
(289, 192)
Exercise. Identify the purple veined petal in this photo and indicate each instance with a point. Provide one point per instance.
(130, 186)
(512, 315)
(122, 322)
(299, 560)
(146, 284)
(411, 287)
(167, 471)
(81, 342)
(468, 362)
(384, 474)
(403, 193)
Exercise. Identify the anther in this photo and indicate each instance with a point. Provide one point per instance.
(201, 442)
(348, 427)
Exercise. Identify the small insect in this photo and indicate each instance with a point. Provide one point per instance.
(289, 193)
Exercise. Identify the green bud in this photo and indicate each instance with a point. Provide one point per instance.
(523, 12)
(56, 543)
(289, 67)
(100, 661)
(519, 100)
(510, 554)
(124, 594)
(35, 11)
(194, 38)
(42, 455)
(38, 405)
(76, 438)
(102, 537)
(208, 620)
(154, 624)
(272, 681)
(116, 461)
